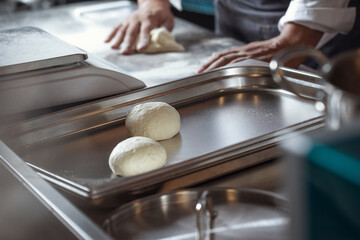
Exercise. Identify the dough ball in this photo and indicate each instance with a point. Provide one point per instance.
(137, 155)
(155, 120)
(162, 41)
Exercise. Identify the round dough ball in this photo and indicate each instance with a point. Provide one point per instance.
(155, 120)
(137, 155)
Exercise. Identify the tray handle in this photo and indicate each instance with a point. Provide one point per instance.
(277, 64)
(205, 216)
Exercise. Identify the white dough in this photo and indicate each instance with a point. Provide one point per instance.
(162, 41)
(155, 120)
(137, 155)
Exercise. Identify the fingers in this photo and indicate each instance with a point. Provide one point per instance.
(144, 36)
(205, 66)
(131, 34)
(169, 23)
(147, 26)
(218, 60)
(113, 34)
(262, 50)
(121, 34)
(150, 15)
(126, 36)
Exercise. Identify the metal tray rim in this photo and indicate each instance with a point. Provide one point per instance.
(214, 77)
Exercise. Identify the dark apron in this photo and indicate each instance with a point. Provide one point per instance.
(256, 20)
(249, 20)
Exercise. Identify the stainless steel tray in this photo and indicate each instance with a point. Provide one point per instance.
(231, 119)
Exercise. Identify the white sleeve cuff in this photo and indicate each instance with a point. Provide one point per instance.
(324, 18)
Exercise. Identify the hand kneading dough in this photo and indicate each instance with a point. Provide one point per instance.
(155, 120)
(137, 155)
(162, 41)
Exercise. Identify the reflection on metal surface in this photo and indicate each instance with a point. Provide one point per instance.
(268, 223)
(240, 214)
(275, 222)
(256, 101)
(221, 101)
(99, 12)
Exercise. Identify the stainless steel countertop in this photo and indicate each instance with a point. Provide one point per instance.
(87, 24)
(23, 215)
(32, 209)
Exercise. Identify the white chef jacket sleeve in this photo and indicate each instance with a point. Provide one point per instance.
(329, 16)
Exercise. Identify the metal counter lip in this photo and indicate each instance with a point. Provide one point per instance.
(232, 79)
(61, 207)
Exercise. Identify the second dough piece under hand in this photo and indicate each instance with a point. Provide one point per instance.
(162, 41)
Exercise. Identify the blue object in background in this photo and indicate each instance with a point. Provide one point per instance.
(333, 191)
(323, 182)
(199, 6)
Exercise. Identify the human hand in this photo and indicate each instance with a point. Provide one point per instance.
(149, 15)
(292, 35)
(262, 50)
